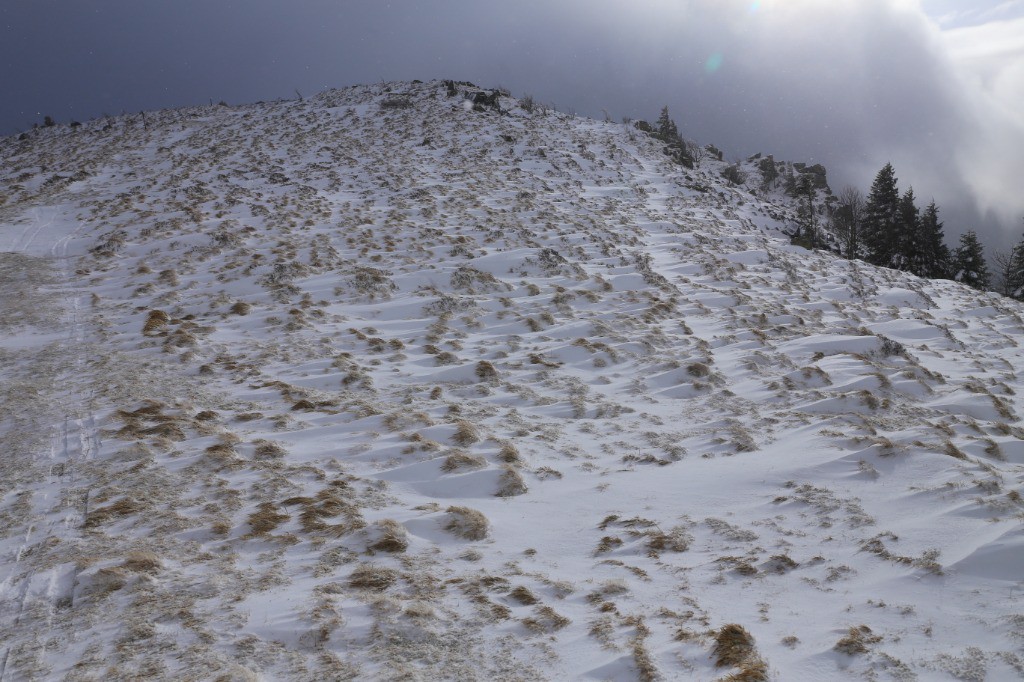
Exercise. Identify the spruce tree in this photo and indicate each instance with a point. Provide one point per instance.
(908, 236)
(806, 215)
(675, 145)
(667, 130)
(880, 229)
(935, 256)
(1014, 284)
(971, 268)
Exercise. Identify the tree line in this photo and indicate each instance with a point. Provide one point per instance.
(887, 228)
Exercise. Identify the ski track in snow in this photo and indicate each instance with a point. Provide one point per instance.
(373, 386)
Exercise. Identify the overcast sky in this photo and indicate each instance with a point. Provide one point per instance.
(934, 86)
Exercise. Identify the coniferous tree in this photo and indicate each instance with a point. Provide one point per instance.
(675, 145)
(807, 218)
(1011, 272)
(935, 256)
(769, 173)
(667, 129)
(882, 219)
(971, 268)
(908, 236)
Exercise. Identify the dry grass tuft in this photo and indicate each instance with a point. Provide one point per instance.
(646, 670)
(607, 544)
(126, 506)
(155, 322)
(143, 562)
(105, 581)
(419, 610)
(511, 484)
(609, 588)
(241, 308)
(509, 454)
(168, 430)
(372, 577)
(266, 449)
(391, 537)
(733, 646)
(168, 277)
(524, 596)
(677, 539)
(546, 619)
(754, 670)
(856, 641)
(265, 519)
(462, 460)
(466, 523)
(698, 370)
(485, 371)
(465, 433)
(222, 454)
(952, 450)
(328, 503)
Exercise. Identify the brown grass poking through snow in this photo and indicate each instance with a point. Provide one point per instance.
(510, 483)
(126, 506)
(646, 670)
(545, 619)
(485, 371)
(266, 449)
(329, 503)
(524, 596)
(265, 519)
(754, 670)
(221, 454)
(733, 646)
(168, 430)
(391, 536)
(466, 523)
(677, 539)
(509, 454)
(465, 433)
(105, 581)
(372, 577)
(856, 641)
(143, 562)
(460, 460)
(698, 370)
(155, 322)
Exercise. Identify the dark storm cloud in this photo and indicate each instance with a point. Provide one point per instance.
(849, 83)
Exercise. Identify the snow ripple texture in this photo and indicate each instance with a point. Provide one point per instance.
(377, 385)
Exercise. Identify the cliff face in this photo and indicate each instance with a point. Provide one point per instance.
(406, 381)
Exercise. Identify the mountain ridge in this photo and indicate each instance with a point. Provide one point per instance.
(376, 385)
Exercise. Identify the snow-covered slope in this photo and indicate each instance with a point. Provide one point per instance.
(375, 385)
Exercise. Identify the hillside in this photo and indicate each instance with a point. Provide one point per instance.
(376, 385)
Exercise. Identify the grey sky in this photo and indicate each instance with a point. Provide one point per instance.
(927, 84)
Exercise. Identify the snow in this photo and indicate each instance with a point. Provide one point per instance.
(511, 398)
